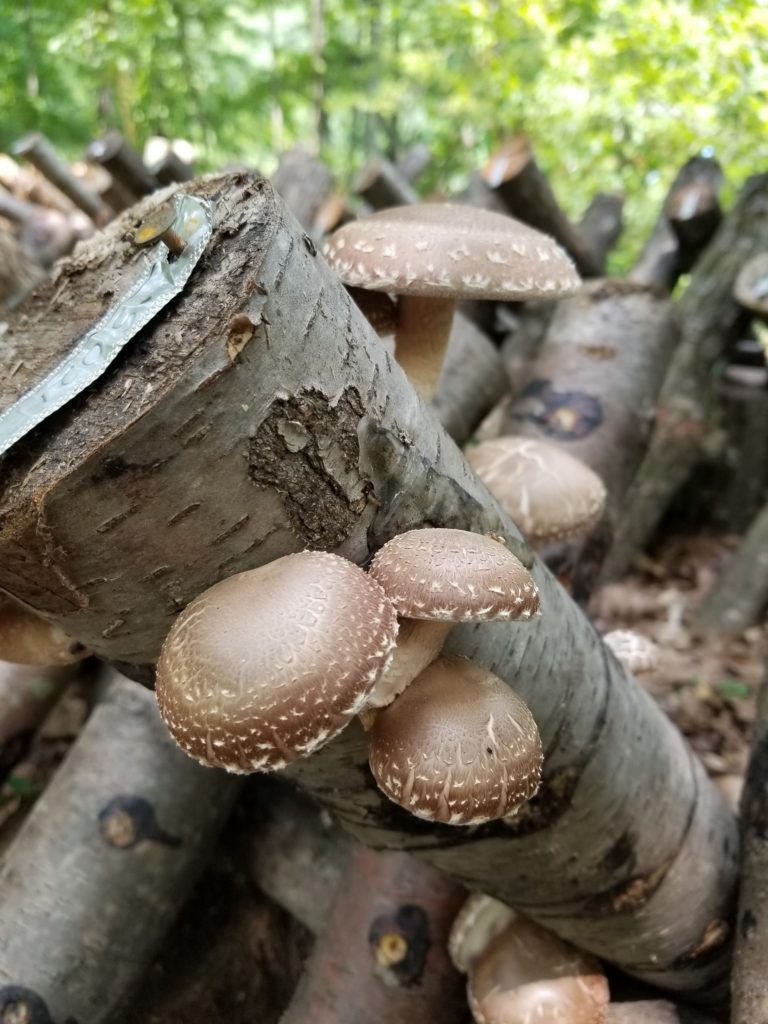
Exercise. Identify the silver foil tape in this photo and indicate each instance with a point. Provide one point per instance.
(158, 283)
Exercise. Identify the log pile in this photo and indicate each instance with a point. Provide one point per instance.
(262, 414)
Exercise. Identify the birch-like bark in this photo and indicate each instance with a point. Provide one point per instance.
(601, 225)
(710, 320)
(259, 415)
(103, 863)
(739, 596)
(749, 987)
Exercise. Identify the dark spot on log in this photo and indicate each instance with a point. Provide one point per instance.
(621, 854)
(112, 467)
(20, 1005)
(143, 674)
(310, 245)
(128, 820)
(629, 896)
(600, 352)
(399, 943)
(747, 924)
(563, 415)
(321, 511)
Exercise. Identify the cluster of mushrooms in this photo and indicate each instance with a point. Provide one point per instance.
(271, 664)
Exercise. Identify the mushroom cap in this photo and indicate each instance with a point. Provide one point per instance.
(526, 973)
(268, 665)
(548, 493)
(454, 575)
(637, 653)
(447, 251)
(28, 639)
(458, 746)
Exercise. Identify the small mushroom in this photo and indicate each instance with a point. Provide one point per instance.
(269, 665)
(431, 255)
(436, 577)
(548, 493)
(28, 639)
(519, 972)
(637, 653)
(458, 746)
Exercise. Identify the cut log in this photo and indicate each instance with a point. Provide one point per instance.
(739, 597)
(192, 459)
(123, 163)
(601, 225)
(38, 150)
(711, 320)
(19, 273)
(27, 694)
(692, 202)
(104, 862)
(414, 161)
(29, 184)
(382, 956)
(593, 386)
(513, 173)
(381, 184)
(749, 987)
(304, 182)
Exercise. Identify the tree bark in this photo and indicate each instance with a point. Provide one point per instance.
(38, 150)
(513, 173)
(27, 694)
(19, 273)
(304, 183)
(601, 225)
(134, 499)
(104, 861)
(123, 163)
(471, 382)
(665, 255)
(383, 954)
(739, 597)
(710, 320)
(381, 184)
(749, 987)
(593, 386)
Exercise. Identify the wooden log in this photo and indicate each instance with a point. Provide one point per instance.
(739, 597)
(304, 182)
(414, 161)
(471, 382)
(749, 988)
(170, 168)
(666, 255)
(28, 184)
(601, 225)
(751, 285)
(38, 150)
(27, 694)
(383, 954)
(103, 863)
(381, 184)
(593, 386)
(220, 457)
(45, 234)
(513, 173)
(125, 165)
(478, 192)
(19, 273)
(711, 320)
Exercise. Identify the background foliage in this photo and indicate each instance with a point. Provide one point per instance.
(615, 94)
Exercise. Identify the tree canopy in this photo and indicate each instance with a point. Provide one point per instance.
(615, 95)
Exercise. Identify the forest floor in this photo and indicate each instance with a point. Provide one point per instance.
(232, 949)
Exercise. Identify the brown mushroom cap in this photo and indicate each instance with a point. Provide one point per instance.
(458, 746)
(28, 639)
(528, 974)
(444, 250)
(268, 665)
(548, 493)
(454, 575)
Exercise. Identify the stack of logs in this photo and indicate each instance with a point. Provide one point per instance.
(621, 374)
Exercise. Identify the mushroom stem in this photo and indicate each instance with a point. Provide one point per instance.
(419, 641)
(421, 339)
